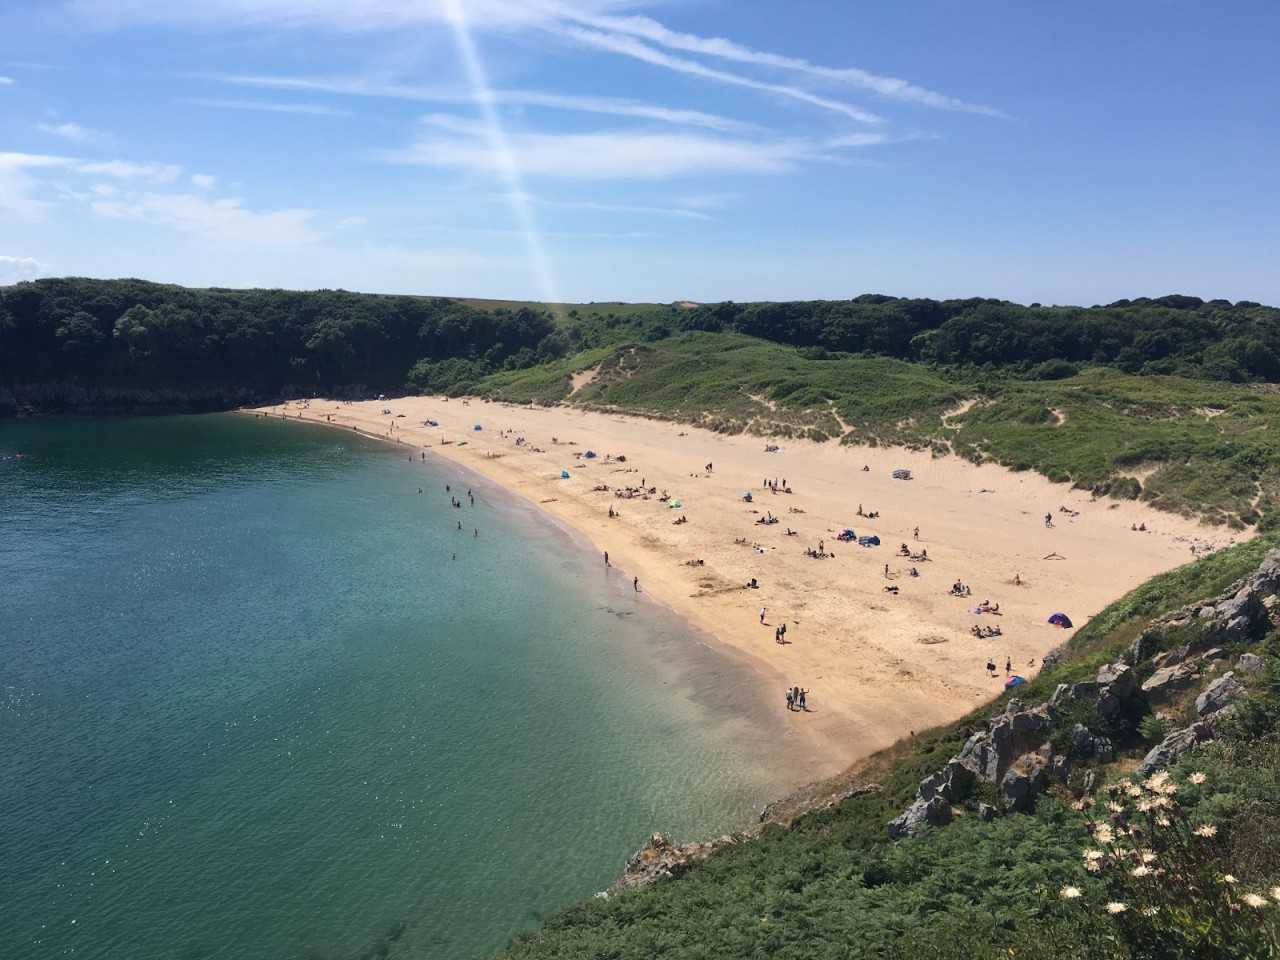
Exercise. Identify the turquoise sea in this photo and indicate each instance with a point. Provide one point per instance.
(252, 708)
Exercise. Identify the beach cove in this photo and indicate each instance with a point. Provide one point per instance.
(252, 707)
(878, 662)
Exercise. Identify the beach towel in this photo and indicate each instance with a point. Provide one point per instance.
(1014, 681)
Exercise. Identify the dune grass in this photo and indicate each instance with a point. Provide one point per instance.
(1196, 447)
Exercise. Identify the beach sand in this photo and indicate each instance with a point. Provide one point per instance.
(877, 665)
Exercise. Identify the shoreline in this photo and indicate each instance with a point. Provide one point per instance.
(879, 665)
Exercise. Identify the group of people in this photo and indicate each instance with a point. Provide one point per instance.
(959, 589)
(795, 699)
(871, 515)
(982, 632)
(775, 487)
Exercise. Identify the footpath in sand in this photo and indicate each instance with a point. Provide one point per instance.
(877, 664)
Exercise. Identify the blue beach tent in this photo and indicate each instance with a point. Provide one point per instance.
(1061, 620)
(1014, 681)
(564, 474)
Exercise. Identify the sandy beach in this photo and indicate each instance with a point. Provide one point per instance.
(877, 663)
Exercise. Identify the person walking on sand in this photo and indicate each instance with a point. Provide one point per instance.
(763, 610)
(606, 558)
(783, 630)
(459, 524)
(916, 533)
(1008, 665)
(802, 694)
(635, 584)
(791, 699)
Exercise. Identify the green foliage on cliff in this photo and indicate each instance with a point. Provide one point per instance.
(831, 885)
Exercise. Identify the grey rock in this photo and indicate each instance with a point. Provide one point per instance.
(1168, 679)
(1213, 653)
(1089, 781)
(1218, 694)
(1119, 678)
(1050, 659)
(1206, 612)
(1109, 705)
(950, 783)
(913, 821)
(1172, 747)
(987, 813)
(1250, 664)
(1171, 657)
(1019, 787)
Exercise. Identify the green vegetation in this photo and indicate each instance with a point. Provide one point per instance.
(1186, 445)
(831, 885)
(1157, 399)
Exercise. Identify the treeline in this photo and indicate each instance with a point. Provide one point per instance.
(1177, 335)
(121, 343)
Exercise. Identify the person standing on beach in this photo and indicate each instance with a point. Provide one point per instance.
(763, 610)
(791, 699)
(635, 584)
(801, 696)
(783, 631)
(606, 558)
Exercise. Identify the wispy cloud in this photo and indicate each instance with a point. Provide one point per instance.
(204, 181)
(74, 132)
(16, 269)
(224, 219)
(632, 47)
(613, 106)
(128, 170)
(651, 30)
(262, 106)
(624, 208)
(6, 81)
(610, 155)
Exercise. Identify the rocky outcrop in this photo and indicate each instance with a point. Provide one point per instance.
(1172, 747)
(1012, 753)
(1218, 694)
(1250, 664)
(660, 859)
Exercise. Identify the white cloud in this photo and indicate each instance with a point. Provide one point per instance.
(204, 181)
(891, 87)
(261, 106)
(127, 170)
(6, 81)
(70, 131)
(218, 219)
(627, 208)
(16, 269)
(355, 15)
(613, 106)
(104, 190)
(631, 47)
(19, 186)
(352, 223)
(608, 155)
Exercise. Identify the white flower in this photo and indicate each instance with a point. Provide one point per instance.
(1197, 778)
(1228, 878)
(1094, 854)
(1162, 821)
(1116, 906)
(1134, 791)
(1206, 830)
(1150, 911)
(1156, 779)
(1140, 871)
(1093, 866)
(1148, 856)
(1069, 893)
(1103, 834)
(1275, 894)
(1253, 900)
(1114, 807)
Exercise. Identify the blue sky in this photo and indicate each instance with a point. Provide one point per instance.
(609, 149)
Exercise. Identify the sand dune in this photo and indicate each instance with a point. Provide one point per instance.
(877, 664)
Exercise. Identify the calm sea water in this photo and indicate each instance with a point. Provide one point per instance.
(250, 707)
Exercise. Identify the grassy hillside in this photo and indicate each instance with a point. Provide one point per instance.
(1189, 445)
(831, 885)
